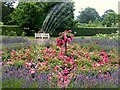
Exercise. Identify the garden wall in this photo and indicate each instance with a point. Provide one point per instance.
(90, 31)
(9, 28)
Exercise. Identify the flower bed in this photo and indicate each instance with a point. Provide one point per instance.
(60, 65)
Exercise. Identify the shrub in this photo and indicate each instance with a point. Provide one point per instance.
(90, 31)
(11, 30)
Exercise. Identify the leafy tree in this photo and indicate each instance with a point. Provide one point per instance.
(6, 10)
(110, 19)
(106, 13)
(0, 12)
(89, 14)
(29, 15)
(32, 15)
(119, 20)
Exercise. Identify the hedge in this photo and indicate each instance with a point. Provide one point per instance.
(9, 28)
(90, 31)
(83, 31)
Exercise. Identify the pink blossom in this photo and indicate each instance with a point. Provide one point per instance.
(65, 37)
(69, 59)
(69, 39)
(94, 65)
(47, 50)
(60, 55)
(65, 78)
(36, 66)
(101, 62)
(97, 64)
(74, 68)
(39, 76)
(32, 71)
(56, 67)
(59, 75)
(1, 63)
(83, 67)
(65, 71)
(9, 62)
(13, 52)
(28, 64)
(69, 30)
(44, 63)
(72, 61)
(105, 58)
(86, 54)
(1, 52)
(49, 77)
(60, 42)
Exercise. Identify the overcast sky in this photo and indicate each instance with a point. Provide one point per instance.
(100, 5)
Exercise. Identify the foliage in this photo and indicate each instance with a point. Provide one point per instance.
(106, 13)
(10, 30)
(7, 8)
(31, 15)
(113, 36)
(1, 23)
(90, 31)
(119, 20)
(65, 38)
(96, 23)
(89, 14)
(110, 19)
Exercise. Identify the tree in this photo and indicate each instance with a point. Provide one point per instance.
(110, 19)
(32, 15)
(119, 20)
(29, 15)
(106, 13)
(89, 14)
(6, 10)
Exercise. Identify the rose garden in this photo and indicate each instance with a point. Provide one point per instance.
(68, 60)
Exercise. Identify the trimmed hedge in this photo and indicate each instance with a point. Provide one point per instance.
(9, 28)
(83, 31)
(90, 31)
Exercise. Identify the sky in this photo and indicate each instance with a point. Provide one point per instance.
(100, 5)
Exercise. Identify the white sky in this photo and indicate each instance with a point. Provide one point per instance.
(100, 5)
(15, 4)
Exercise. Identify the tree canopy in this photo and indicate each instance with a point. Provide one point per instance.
(89, 14)
(110, 19)
(6, 10)
(106, 13)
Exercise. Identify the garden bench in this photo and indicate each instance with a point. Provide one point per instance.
(42, 35)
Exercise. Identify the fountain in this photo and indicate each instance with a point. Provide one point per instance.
(57, 15)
